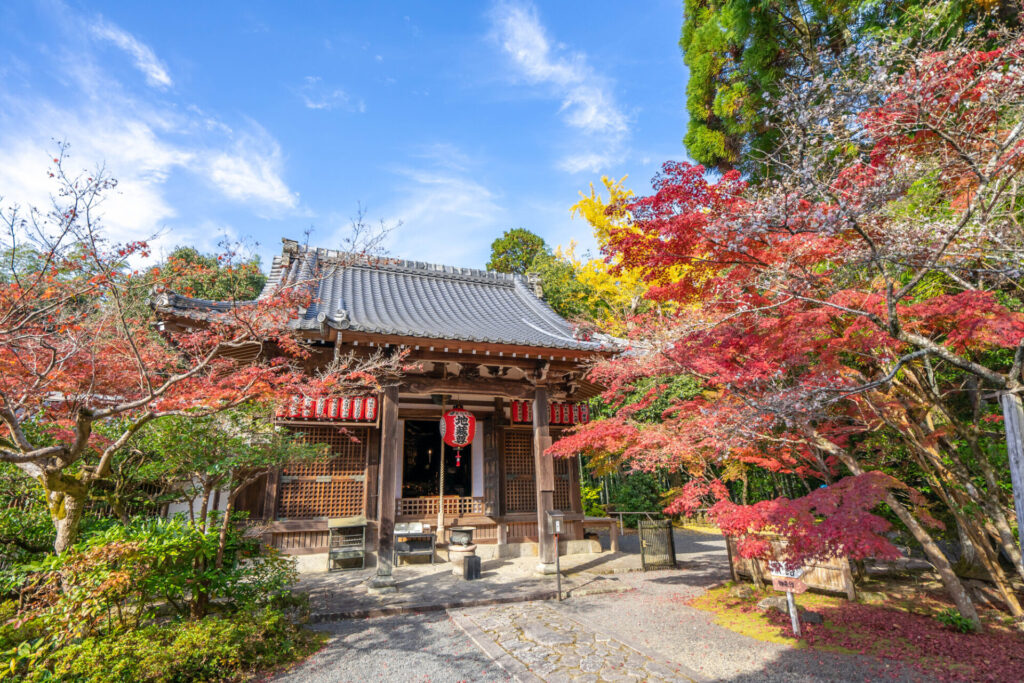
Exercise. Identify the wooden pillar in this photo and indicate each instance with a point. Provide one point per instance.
(492, 475)
(848, 584)
(372, 482)
(1013, 421)
(544, 466)
(500, 423)
(270, 495)
(390, 458)
(575, 496)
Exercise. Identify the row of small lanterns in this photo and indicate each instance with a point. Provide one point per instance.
(458, 426)
(559, 413)
(349, 408)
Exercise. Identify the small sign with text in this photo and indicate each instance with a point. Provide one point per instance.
(779, 569)
(781, 583)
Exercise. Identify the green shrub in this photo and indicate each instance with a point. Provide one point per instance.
(216, 648)
(639, 492)
(122, 579)
(956, 621)
(26, 532)
(591, 498)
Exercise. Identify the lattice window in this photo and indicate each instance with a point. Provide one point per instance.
(520, 475)
(334, 486)
(563, 483)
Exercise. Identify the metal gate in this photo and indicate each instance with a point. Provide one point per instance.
(657, 545)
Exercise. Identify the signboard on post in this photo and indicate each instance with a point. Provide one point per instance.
(781, 583)
(785, 579)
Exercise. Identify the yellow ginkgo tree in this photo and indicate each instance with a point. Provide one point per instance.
(617, 293)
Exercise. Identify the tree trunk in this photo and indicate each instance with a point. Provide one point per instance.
(225, 524)
(66, 521)
(994, 507)
(932, 551)
(947, 484)
(200, 603)
(65, 498)
(203, 512)
(968, 551)
(755, 573)
(941, 563)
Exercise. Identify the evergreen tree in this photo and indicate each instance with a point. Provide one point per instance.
(515, 251)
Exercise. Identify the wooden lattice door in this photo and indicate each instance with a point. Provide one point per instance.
(563, 483)
(492, 470)
(520, 473)
(334, 486)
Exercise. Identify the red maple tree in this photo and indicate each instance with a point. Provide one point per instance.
(79, 344)
(822, 305)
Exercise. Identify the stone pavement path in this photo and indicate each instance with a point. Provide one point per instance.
(411, 647)
(537, 641)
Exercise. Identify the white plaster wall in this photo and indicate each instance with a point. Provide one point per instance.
(478, 462)
(182, 507)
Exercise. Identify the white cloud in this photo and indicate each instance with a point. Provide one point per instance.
(439, 199)
(317, 95)
(252, 171)
(589, 162)
(145, 60)
(159, 149)
(129, 149)
(588, 103)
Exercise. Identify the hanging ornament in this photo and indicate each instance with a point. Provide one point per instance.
(458, 426)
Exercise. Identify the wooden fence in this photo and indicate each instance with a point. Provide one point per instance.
(832, 576)
(426, 506)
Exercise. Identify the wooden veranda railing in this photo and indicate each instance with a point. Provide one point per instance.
(427, 506)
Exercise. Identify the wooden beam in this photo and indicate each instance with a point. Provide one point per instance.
(482, 402)
(545, 469)
(488, 351)
(465, 385)
(436, 354)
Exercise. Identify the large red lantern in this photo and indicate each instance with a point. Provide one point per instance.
(458, 426)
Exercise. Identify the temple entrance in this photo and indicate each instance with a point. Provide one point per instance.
(421, 465)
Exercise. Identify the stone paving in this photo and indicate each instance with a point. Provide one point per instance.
(536, 641)
(644, 630)
(426, 587)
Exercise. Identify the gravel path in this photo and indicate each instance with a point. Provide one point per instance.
(655, 619)
(647, 633)
(413, 647)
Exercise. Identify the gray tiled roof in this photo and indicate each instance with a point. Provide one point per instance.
(415, 299)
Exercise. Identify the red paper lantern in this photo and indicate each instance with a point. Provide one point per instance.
(458, 426)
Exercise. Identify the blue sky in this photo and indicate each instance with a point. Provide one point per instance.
(259, 120)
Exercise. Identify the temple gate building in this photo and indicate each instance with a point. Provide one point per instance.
(482, 340)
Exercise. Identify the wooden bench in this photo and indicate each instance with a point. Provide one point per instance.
(415, 541)
(610, 524)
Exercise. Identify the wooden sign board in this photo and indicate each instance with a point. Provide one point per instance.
(782, 583)
(780, 570)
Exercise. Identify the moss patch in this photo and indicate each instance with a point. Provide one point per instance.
(903, 629)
